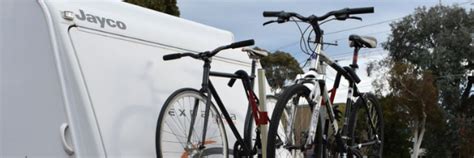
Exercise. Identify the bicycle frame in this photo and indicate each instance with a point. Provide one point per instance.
(317, 64)
(208, 88)
(341, 134)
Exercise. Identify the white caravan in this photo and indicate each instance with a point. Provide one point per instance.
(87, 79)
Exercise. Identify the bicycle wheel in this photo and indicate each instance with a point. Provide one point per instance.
(363, 116)
(289, 123)
(174, 125)
(271, 102)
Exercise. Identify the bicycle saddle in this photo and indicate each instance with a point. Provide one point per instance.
(362, 41)
(253, 53)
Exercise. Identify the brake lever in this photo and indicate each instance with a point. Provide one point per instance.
(279, 20)
(355, 17)
(282, 20)
(269, 22)
(342, 17)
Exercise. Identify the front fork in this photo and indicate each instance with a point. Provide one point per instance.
(189, 145)
(206, 90)
(315, 97)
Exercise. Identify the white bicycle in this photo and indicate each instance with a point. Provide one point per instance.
(297, 129)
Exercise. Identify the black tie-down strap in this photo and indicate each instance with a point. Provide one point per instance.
(259, 116)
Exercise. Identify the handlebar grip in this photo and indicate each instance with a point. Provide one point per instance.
(172, 56)
(361, 10)
(271, 13)
(231, 82)
(242, 44)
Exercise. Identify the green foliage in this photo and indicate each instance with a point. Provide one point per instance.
(396, 133)
(415, 92)
(412, 105)
(430, 53)
(165, 6)
(436, 142)
(280, 67)
(436, 39)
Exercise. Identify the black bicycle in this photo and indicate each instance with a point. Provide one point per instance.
(298, 127)
(189, 124)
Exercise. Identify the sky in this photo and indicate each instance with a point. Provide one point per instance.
(244, 19)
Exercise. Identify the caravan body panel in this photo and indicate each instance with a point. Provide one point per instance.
(100, 71)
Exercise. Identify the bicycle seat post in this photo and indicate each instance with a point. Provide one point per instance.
(252, 72)
(255, 55)
(359, 42)
(355, 57)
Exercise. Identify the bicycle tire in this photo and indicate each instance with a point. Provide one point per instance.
(319, 147)
(358, 123)
(271, 102)
(173, 122)
(276, 132)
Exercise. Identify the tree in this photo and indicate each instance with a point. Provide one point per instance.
(412, 97)
(416, 96)
(464, 121)
(165, 6)
(280, 67)
(397, 133)
(430, 55)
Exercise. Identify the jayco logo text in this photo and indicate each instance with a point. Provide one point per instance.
(102, 21)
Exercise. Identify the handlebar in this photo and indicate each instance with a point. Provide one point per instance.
(209, 54)
(342, 14)
(345, 13)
